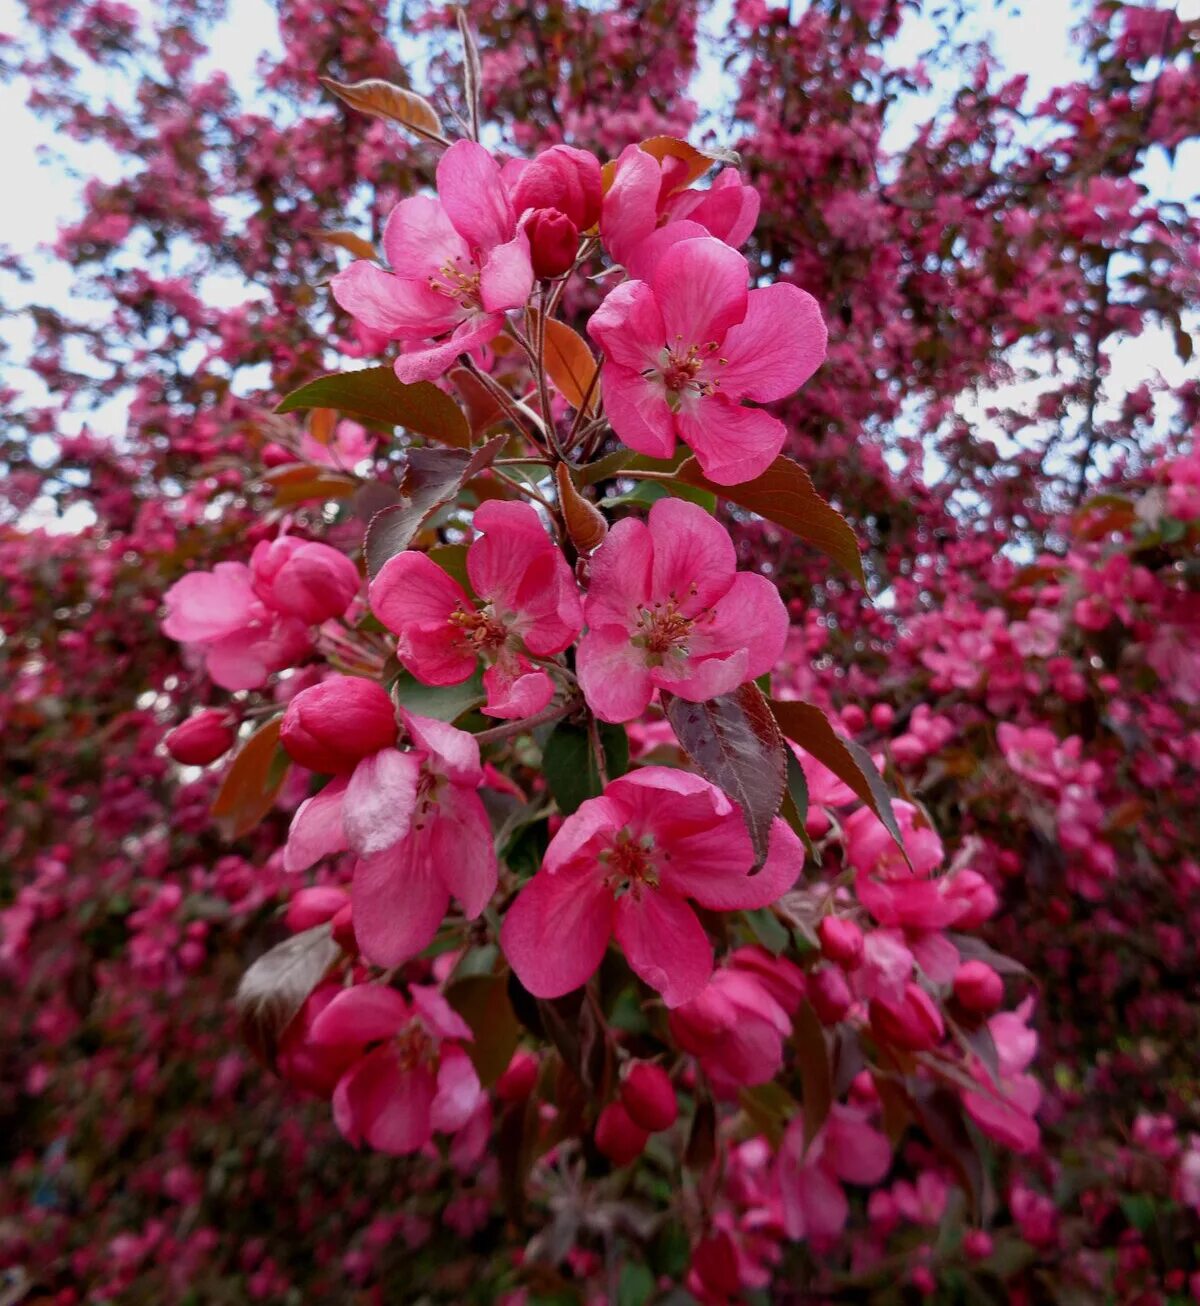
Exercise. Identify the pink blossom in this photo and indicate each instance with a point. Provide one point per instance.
(645, 212)
(350, 445)
(415, 1080)
(1006, 1104)
(684, 349)
(458, 263)
(529, 608)
(736, 1025)
(810, 1173)
(625, 864)
(303, 578)
(667, 609)
(219, 614)
(420, 833)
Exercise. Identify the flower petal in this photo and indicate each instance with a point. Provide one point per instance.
(400, 308)
(506, 278)
(638, 410)
(470, 189)
(430, 364)
(613, 674)
(361, 1015)
(732, 444)
(377, 1102)
(629, 327)
(555, 933)
(380, 799)
(694, 559)
(776, 348)
(701, 288)
(399, 902)
(458, 1092)
(316, 830)
(664, 944)
(462, 848)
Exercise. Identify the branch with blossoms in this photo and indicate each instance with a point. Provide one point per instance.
(558, 829)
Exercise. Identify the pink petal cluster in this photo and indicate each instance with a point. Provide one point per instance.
(406, 1072)
(528, 607)
(625, 864)
(667, 609)
(810, 1172)
(685, 348)
(420, 834)
(458, 263)
(736, 1026)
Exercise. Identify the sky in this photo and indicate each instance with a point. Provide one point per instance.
(1033, 38)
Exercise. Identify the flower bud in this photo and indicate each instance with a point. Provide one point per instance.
(202, 738)
(829, 994)
(617, 1137)
(314, 906)
(911, 1021)
(517, 1082)
(304, 579)
(977, 1244)
(565, 179)
(715, 1266)
(647, 1095)
(553, 242)
(332, 726)
(342, 928)
(275, 455)
(978, 987)
(841, 941)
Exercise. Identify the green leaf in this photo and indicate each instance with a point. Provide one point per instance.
(808, 726)
(794, 809)
(570, 767)
(735, 743)
(767, 929)
(441, 702)
(784, 494)
(375, 393)
(636, 1285)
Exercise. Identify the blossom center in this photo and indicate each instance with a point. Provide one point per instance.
(663, 629)
(414, 1047)
(451, 281)
(629, 863)
(681, 369)
(479, 630)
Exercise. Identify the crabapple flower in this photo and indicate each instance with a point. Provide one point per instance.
(303, 578)
(415, 1080)
(556, 196)
(668, 609)
(331, 727)
(685, 348)
(530, 606)
(458, 263)
(810, 1173)
(219, 616)
(351, 444)
(1006, 1104)
(736, 1026)
(625, 864)
(420, 833)
(645, 212)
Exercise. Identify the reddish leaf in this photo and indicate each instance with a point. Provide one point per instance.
(585, 522)
(375, 393)
(348, 240)
(697, 161)
(252, 782)
(769, 1106)
(433, 478)
(784, 494)
(482, 1001)
(736, 744)
(571, 365)
(483, 408)
(302, 483)
(277, 985)
(393, 103)
(816, 1071)
(809, 727)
